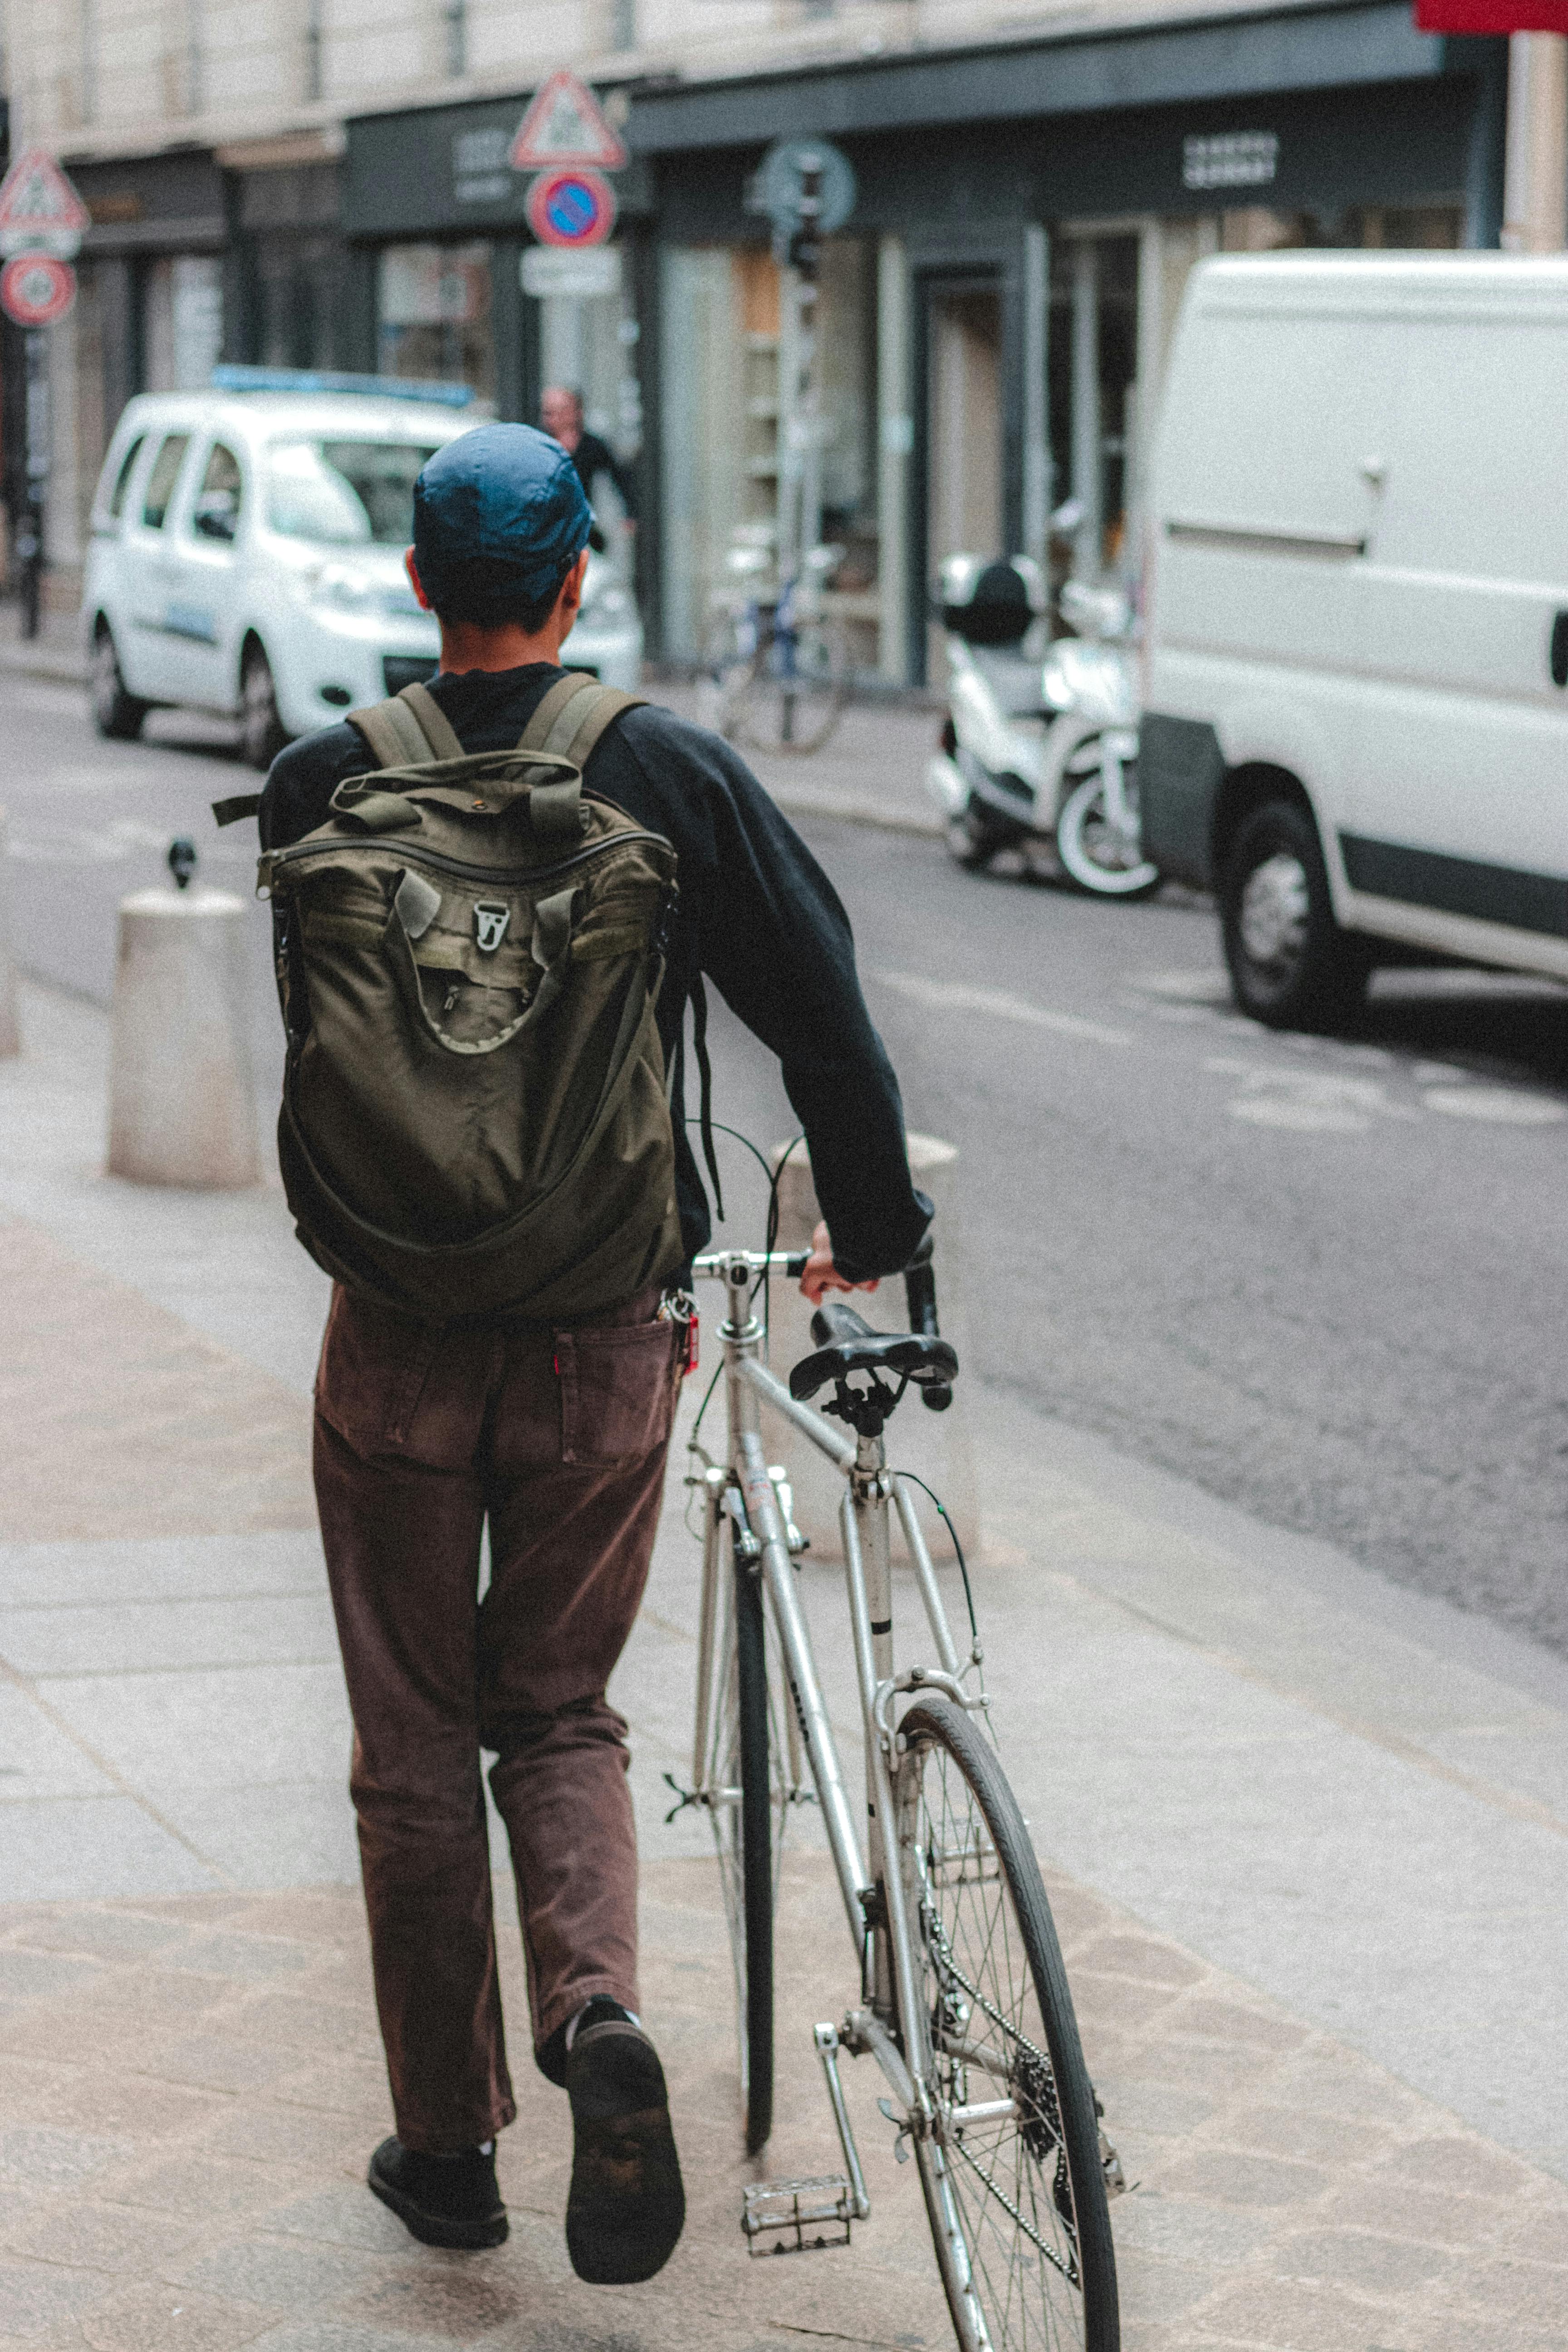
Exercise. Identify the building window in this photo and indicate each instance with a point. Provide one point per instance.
(434, 320)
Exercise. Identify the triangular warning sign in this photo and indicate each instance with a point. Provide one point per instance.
(37, 199)
(565, 124)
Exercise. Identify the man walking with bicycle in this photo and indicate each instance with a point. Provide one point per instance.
(548, 1428)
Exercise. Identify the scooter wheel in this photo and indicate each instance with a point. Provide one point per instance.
(973, 838)
(1093, 855)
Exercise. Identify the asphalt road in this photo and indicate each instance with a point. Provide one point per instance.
(1323, 1278)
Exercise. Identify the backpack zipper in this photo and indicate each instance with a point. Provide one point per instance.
(501, 877)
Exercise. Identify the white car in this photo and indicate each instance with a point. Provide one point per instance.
(247, 559)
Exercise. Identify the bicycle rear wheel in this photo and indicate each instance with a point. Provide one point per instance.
(749, 1775)
(797, 690)
(1012, 2172)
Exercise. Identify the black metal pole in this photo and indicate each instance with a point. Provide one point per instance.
(30, 536)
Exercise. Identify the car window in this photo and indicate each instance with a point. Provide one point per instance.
(122, 480)
(160, 481)
(344, 493)
(216, 509)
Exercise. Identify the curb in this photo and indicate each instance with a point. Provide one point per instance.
(62, 668)
(39, 661)
(871, 814)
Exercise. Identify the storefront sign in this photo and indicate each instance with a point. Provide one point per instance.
(1235, 159)
(37, 289)
(585, 274)
(565, 124)
(480, 173)
(570, 208)
(40, 212)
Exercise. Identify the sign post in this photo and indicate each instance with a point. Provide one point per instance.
(42, 222)
(806, 188)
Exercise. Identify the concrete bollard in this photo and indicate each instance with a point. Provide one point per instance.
(10, 1029)
(181, 1105)
(936, 1447)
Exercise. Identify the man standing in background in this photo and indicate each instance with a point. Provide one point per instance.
(560, 413)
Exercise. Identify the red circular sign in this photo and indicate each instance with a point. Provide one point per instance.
(35, 290)
(571, 206)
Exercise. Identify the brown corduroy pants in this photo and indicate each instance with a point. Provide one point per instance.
(557, 1441)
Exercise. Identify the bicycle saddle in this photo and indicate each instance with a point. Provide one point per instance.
(846, 1343)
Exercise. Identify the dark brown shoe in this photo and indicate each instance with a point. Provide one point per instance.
(626, 2207)
(444, 2201)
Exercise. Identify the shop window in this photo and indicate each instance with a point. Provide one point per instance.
(183, 321)
(1424, 227)
(1093, 370)
(433, 315)
(587, 344)
(725, 337)
(301, 303)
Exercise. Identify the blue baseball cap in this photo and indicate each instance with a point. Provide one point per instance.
(500, 517)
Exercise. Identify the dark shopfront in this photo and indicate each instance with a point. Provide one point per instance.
(434, 217)
(997, 313)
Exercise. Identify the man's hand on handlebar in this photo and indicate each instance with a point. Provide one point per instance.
(821, 1275)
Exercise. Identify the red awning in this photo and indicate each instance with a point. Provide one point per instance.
(1491, 15)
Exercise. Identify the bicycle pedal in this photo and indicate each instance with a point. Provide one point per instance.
(800, 2216)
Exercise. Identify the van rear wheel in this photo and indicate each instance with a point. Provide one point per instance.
(1291, 966)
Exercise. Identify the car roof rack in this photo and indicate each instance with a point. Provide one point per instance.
(232, 377)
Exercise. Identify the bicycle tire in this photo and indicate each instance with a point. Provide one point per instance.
(798, 716)
(756, 1857)
(1017, 2204)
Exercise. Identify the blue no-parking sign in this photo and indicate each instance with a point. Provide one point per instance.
(570, 205)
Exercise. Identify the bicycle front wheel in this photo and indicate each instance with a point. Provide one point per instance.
(748, 1823)
(1011, 2169)
(796, 689)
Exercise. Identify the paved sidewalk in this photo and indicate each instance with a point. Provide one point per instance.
(1307, 1851)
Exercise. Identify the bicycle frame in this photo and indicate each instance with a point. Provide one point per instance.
(880, 1930)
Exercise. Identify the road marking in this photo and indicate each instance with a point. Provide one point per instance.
(1308, 1102)
(1505, 1105)
(955, 996)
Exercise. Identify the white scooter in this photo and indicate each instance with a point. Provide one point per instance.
(1041, 738)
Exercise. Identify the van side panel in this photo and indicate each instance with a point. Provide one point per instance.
(1361, 511)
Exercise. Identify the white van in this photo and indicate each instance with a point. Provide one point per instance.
(1356, 646)
(247, 552)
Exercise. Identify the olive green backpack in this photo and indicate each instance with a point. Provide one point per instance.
(475, 1117)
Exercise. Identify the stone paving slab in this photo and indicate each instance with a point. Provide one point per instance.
(121, 1421)
(189, 2089)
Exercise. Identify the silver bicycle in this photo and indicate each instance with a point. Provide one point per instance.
(964, 2001)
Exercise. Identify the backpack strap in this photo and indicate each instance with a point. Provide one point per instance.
(408, 731)
(572, 714)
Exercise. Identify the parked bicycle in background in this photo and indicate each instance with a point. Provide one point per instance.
(776, 666)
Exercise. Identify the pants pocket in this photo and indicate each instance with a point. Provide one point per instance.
(619, 1386)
